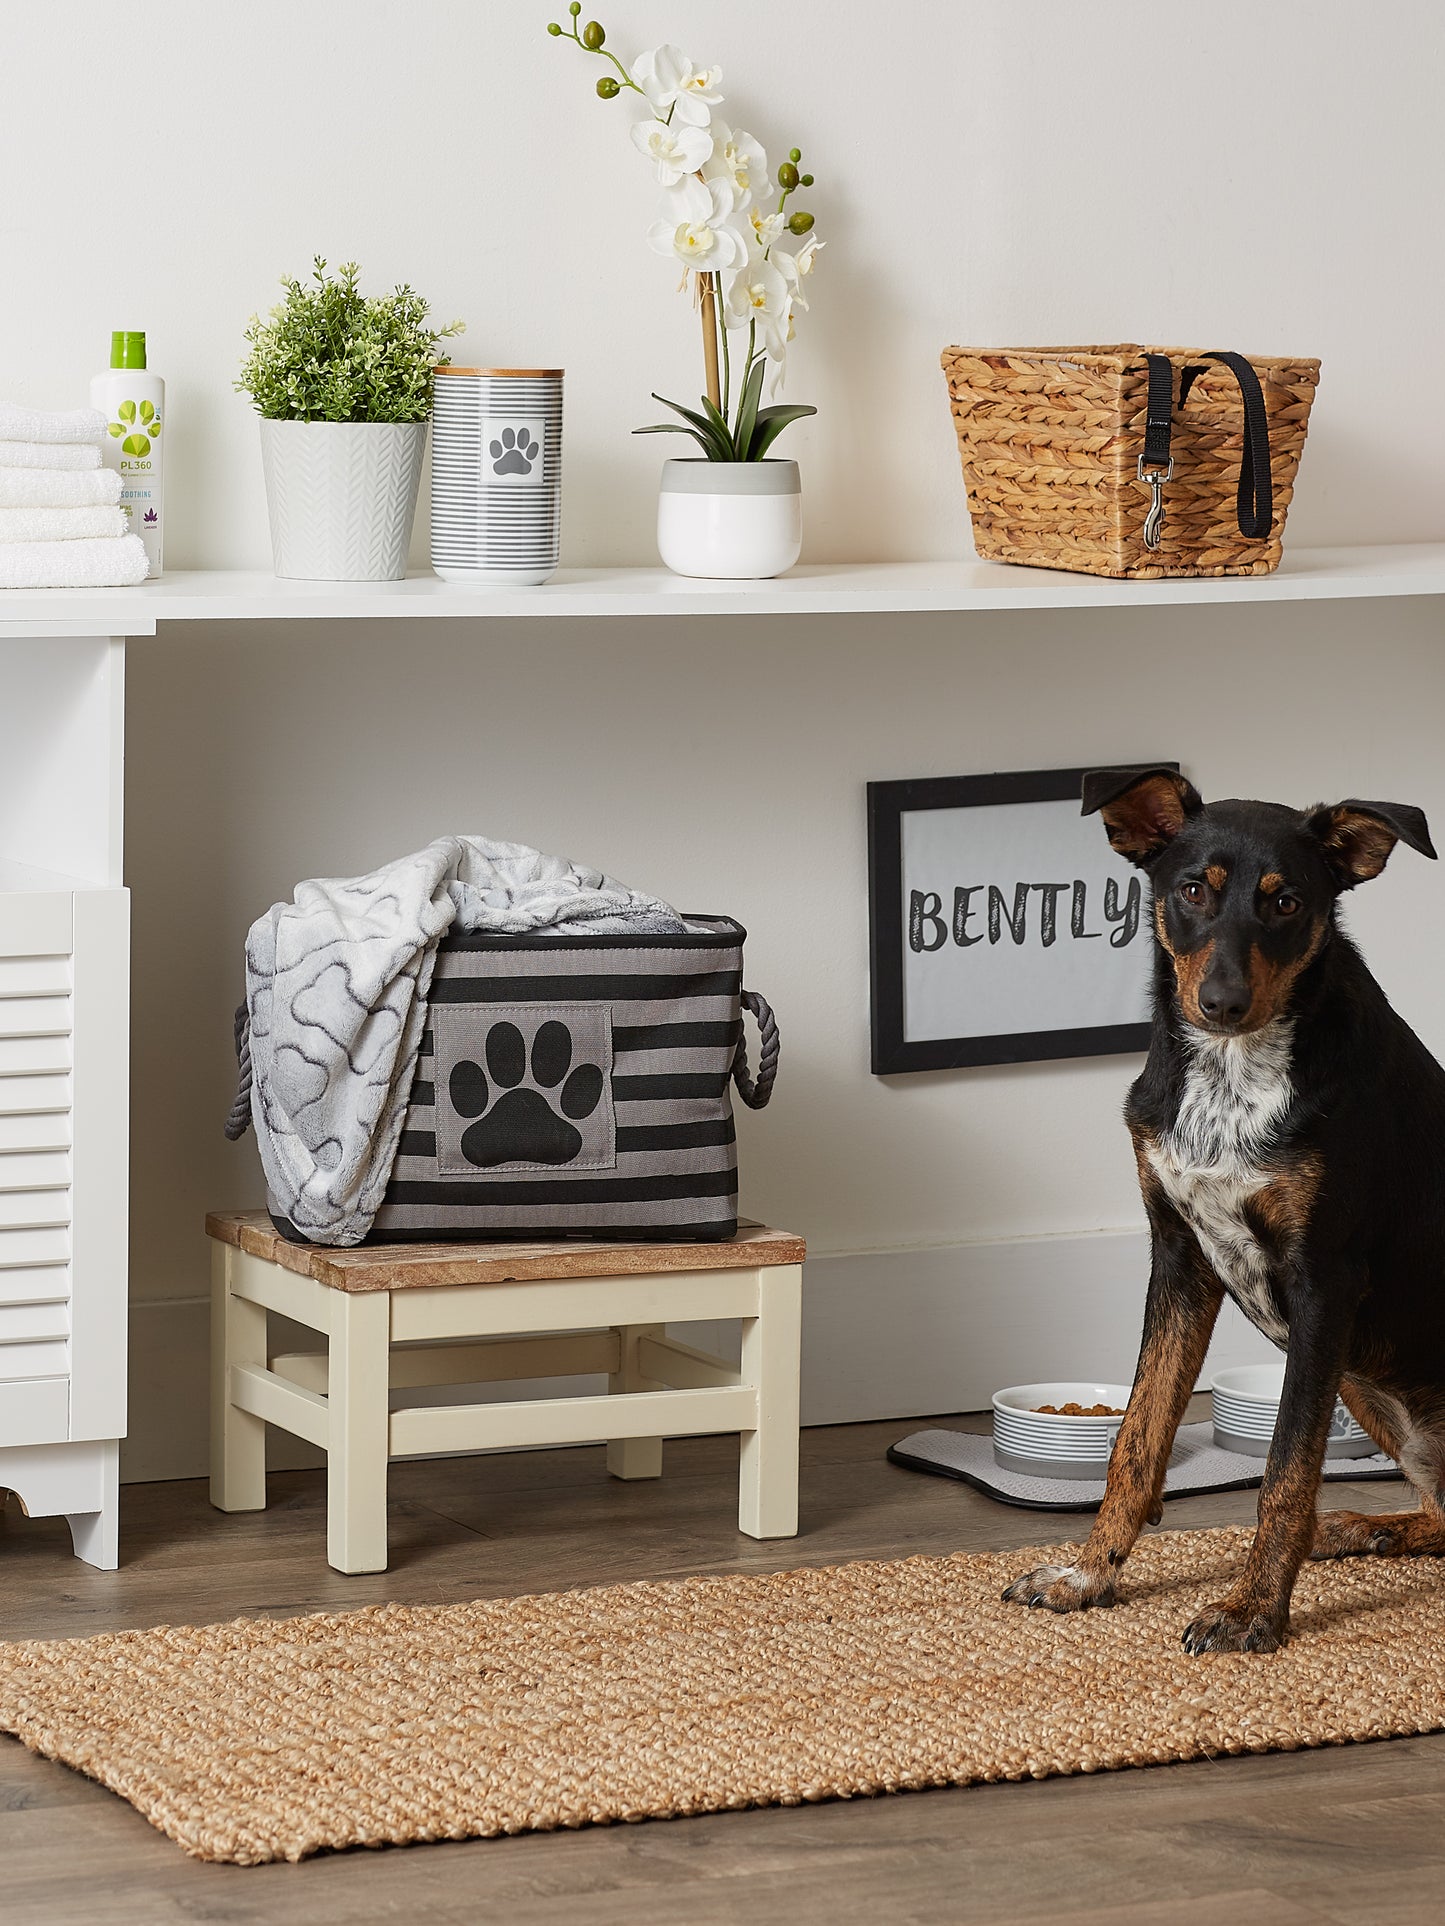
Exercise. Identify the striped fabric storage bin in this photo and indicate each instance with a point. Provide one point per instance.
(579, 1085)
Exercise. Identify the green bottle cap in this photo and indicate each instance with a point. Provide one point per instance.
(127, 350)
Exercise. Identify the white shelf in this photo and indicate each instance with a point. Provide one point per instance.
(876, 588)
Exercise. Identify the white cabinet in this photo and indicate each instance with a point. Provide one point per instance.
(64, 1094)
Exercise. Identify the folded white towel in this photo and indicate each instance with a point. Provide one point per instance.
(58, 488)
(96, 564)
(49, 454)
(34, 424)
(61, 524)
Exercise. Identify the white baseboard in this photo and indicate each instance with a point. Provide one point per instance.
(886, 1334)
(900, 1334)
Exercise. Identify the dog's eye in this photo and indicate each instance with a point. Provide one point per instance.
(1194, 893)
(1287, 905)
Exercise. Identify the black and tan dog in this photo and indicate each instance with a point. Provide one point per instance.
(1290, 1134)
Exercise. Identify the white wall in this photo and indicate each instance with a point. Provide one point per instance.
(986, 173)
(1263, 177)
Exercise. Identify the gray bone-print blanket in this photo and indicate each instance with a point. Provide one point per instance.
(336, 991)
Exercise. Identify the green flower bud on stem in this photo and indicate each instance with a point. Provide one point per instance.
(552, 27)
(795, 153)
(805, 180)
(799, 223)
(593, 36)
(575, 8)
(607, 88)
(787, 176)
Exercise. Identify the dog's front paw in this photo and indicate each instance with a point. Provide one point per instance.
(1060, 1588)
(1224, 1627)
(1356, 1534)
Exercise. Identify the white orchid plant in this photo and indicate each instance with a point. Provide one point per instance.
(746, 258)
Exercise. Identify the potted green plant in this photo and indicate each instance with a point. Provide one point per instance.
(746, 257)
(342, 383)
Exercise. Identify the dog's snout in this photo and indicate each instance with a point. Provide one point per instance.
(1224, 999)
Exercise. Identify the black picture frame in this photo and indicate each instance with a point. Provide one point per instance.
(888, 803)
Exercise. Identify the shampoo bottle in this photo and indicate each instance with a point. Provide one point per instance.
(133, 402)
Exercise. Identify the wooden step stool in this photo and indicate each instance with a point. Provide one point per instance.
(401, 1315)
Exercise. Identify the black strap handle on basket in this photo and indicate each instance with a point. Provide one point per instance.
(1255, 505)
(756, 1093)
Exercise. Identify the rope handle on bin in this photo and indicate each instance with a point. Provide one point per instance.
(756, 1093)
(239, 1119)
(1254, 508)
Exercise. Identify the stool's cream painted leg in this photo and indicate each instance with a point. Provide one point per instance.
(238, 1440)
(634, 1457)
(768, 1467)
(359, 1426)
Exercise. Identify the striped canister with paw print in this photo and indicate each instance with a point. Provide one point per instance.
(496, 474)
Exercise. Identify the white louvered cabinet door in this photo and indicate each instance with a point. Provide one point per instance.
(35, 1168)
(63, 1132)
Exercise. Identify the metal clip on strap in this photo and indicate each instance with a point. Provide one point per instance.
(1156, 464)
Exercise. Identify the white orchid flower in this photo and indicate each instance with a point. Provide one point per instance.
(795, 268)
(764, 228)
(759, 293)
(807, 254)
(674, 151)
(674, 87)
(739, 160)
(697, 229)
(776, 341)
(699, 94)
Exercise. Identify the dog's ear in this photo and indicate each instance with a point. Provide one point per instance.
(1357, 837)
(1143, 809)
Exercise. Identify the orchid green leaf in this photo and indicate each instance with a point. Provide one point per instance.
(717, 443)
(770, 424)
(675, 428)
(748, 410)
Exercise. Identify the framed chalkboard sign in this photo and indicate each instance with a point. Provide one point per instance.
(1003, 927)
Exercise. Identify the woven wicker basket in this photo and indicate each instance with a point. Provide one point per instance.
(1051, 440)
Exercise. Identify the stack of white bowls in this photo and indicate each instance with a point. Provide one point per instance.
(1044, 1444)
(496, 474)
(1246, 1403)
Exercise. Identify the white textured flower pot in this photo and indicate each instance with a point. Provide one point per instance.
(342, 497)
(742, 519)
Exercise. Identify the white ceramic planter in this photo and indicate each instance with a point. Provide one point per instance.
(741, 519)
(341, 497)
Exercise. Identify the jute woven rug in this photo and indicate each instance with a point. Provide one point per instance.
(271, 1739)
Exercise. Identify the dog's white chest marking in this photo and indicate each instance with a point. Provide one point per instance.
(1211, 1161)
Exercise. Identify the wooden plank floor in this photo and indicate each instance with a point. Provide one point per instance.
(1355, 1834)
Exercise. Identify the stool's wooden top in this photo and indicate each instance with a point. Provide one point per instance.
(408, 1267)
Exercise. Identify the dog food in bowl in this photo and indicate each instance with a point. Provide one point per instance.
(1077, 1410)
(1034, 1433)
(1246, 1403)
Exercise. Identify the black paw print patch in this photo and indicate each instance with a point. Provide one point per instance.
(514, 452)
(524, 1089)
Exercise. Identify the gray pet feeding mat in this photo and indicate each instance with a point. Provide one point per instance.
(1198, 1464)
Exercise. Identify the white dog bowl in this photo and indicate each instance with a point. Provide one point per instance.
(1043, 1445)
(1246, 1404)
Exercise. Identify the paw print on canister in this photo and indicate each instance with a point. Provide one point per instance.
(514, 452)
(522, 1120)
